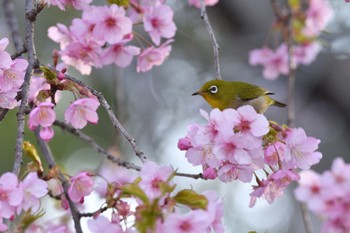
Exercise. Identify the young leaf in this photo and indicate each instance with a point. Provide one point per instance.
(191, 199)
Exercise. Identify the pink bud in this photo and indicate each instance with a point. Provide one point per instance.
(184, 143)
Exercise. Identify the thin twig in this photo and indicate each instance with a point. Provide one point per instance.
(45, 149)
(95, 146)
(12, 22)
(291, 109)
(19, 53)
(112, 117)
(101, 210)
(216, 47)
(29, 44)
(194, 176)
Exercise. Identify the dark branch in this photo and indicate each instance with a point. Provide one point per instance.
(112, 117)
(216, 47)
(95, 146)
(45, 149)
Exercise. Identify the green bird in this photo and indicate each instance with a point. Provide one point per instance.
(225, 94)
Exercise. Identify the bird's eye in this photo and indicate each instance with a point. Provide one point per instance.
(213, 89)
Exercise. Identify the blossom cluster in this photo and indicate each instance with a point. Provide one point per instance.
(103, 34)
(235, 144)
(17, 196)
(44, 94)
(306, 26)
(145, 198)
(12, 74)
(328, 195)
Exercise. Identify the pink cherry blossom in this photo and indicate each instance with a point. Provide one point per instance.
(112, 174)
(4, 43)
(82, 55)
(11, 194)
(306, 54)
(310, 190)
(77, 4)
(8, 99)
(158, 22)
(13, 76)
(215, 210)
(338, 178)
(5, 60)
(33, 189)
(247, 120)
(81, 186)
(274, 63)
(60, 34)
(102, 224)
(152, 175)
(120, 54)
(194, 221)
(153, 57)
(42, 115)
(318, 15)
(112, 24)
(301, 149)
(233, 149)
(273, 186)
(197, 3)
(229, 172)
(274, 153)
(82, 111)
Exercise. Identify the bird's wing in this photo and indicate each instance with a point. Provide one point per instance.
(252, 92)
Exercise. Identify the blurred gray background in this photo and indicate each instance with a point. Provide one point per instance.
(156, 107)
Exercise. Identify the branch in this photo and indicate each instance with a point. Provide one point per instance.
(194, 176)
(291, 93)
(213, 40)
(112, 116)
(12, 23)
(29, 44)
(45, 149)
(95, 146)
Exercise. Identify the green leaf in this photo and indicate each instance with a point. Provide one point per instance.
(146, 216)
(122, 3)
(49, 75)
(294, 4)
(135, 190)
(27, 219)
(191, 199)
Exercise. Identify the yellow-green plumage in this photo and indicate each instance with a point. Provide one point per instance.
(225, 94)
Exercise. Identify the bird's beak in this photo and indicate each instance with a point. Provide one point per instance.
(197, 93)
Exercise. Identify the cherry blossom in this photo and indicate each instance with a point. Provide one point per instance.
(102, 224)
(11, 194)
(112, 24)
(158, 22)
(33, 189)
(81, 186)
(152, 177)
(194, 221)
(153, 56)
(82, 111)
(301, 149)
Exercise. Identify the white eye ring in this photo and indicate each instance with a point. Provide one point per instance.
(213, 89)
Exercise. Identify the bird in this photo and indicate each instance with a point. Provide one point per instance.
(223, 94)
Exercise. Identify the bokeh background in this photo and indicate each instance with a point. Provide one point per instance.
(156, 107)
